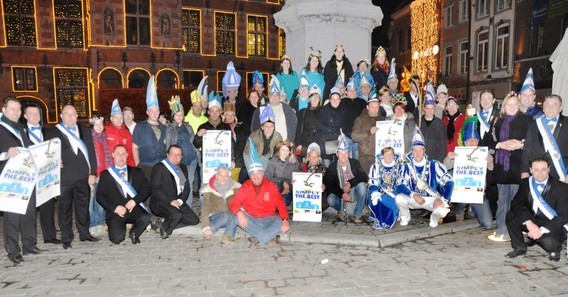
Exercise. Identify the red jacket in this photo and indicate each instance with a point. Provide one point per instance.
(116, 136)
(458, 124)
(266, 204)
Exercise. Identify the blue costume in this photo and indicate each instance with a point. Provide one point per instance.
(382, 181)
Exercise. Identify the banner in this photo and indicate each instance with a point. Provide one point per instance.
(390, 134)
(47, 158)
(307, 195)
(470, 168)
(17, 182)
(216, 151)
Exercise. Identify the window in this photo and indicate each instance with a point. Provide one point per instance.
(191, 28)
(225, 33)
(503, 4)
(71, 88)
(138, 22)
(448, 16)
(69, 23)
(463, 57)
(464, 10)
(502, 47)
(281, 42)
(192, 78)
(482, 8)
(20, 22)
(535, 40)
(256, 34)
(482, 50)
(448, 60)
(24, 79)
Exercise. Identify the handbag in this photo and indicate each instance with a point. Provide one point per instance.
(331, 146)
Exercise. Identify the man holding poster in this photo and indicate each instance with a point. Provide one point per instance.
(14, 137)
(364, 129)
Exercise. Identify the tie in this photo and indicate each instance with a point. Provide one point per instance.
(36, 128)
(540, 186)
(485, 114)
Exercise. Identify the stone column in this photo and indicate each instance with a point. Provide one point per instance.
(324, 23)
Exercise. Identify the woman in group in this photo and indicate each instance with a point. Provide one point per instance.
(280, 168)
(385, 103)
(216, 196)
(104, 161)
(363, 71)
(508, 133)
(380, 68)
(453, 120)
(307, 130)
(407, 121)
(245, 109)
(337, 66)
(287, 77)
(331, 121)
(314, 164)
(314, 69)
(239, 139)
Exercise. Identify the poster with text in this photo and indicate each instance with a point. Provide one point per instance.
(470, 168)
(216, 151)
(307, 196)
(17, 182)
(47, 158)
(390, 134)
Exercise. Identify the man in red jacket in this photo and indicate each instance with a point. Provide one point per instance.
(259, 207)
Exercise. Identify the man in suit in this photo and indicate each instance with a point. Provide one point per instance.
(78, 174)
(541, 209)
(36, 135)
(548, 135)
(15, 225)
(121, 192)
(170, 190)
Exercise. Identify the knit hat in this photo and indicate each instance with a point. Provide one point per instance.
(442, 89)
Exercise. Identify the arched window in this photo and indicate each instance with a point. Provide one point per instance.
(110, 79)
(167, 79)
(138, 79)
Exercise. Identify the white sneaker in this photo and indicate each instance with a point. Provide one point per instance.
(433, 224)
(403, 222)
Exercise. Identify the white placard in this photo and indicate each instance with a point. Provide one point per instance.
(470, 168)
(390, 134)
(216, 151)
(17, 182)
(47, 158)
(307, 196)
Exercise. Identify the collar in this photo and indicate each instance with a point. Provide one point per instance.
(421, 163)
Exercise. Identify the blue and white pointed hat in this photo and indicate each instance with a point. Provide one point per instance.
(231, 80)
(351, 84)
(373, 96)
(274, 85)
(115, 109)
(175, 104)
(429, 94)
(257, 78)
(267, 115)
(342, 143)
(315, 90)
(215, 100)
(339, 82)
(256, 163)
(151, 94)
(392, 72)
(365, 78)
(334, 90)
(304, 81)
(417, 138)
(528, 84)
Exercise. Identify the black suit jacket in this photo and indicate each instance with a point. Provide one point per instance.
(534, 145)
(554, 194)
(487, 139)
(109, 193)
(8, 140)
(331, 179)
(164, 189)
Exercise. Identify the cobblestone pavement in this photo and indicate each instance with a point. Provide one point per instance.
(461, 263)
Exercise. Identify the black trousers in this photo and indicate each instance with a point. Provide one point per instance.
(47, 219)
(550, 242)
(74, 198)
(16, 225)
(176, 218)
(117, 224)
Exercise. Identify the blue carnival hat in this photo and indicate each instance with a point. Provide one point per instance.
(215, 100)
(274, 85)
(333, 90)
(366, 78)
(351, 84)
(392, 72)
(429, 94)
(417, 139)
(469, 129)
(267, 115)
(255, 164)
(257, 78)
(304, 81)
(175, 104)
(339, 82)
(342, 144)
(115, 109)
(529, 82)
(373, 97)
(231, 80)
(151, 94)
(315, 90)
(398, 98)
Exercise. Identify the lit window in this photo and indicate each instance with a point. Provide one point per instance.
(24, 79)
(69, 23)
(482, 8)
(464, 61)
(191, 23)
(482, 50)
(448, 60)
(71, 88)
(20, 22)
(448, 21)
(256, 43)
(225, 33)
(464, 13)
(137, 22)
(535, 40)
(502, 48)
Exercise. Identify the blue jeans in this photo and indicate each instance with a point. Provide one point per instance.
(221, 219)
(506, 194)
(263, 229)
(96, 211)
(360, 193)
(190, 178)
(483, 213)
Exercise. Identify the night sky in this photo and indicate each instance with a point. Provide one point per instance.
(379, 36)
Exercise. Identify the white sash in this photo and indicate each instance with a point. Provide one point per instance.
(173, 172)
(14, 132)
(33, 137)
(551, 146)
(539, 202)
(123, 182)
(483, 126)
(75, 141)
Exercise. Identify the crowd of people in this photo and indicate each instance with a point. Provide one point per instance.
(323, 120)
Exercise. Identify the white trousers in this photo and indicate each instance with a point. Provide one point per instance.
(405, 203)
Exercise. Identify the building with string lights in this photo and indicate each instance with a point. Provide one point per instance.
(87, 52)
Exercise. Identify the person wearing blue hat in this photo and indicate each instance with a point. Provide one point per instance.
(363, 76)
(258, 85)
(354, 105)
(262, 141)
(527, 95)
(433, 128)
(288, 78)
(117, 132)
(300, 101)
(230, 84)
(338, 68)
(383, 178)
(423, 184)
(392, 79)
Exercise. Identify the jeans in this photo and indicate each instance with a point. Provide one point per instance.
(221, 219)
(483, 213)
(190, 178)
(96, 211)
(506, 194)
(263, 229)
(360, 195)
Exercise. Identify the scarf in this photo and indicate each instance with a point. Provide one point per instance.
(402, 118)
(344, 175)
(223, 189)
(451, 129)
(502, 156)
(101, 138)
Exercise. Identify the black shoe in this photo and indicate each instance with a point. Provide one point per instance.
(530, 242)
(15, 258)
(163, 233)
(53, 241)
(91, 239)
(554, 256)
(34, 251)
(253, 241)
(134, 238)
(515, 253)
(66, 245)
